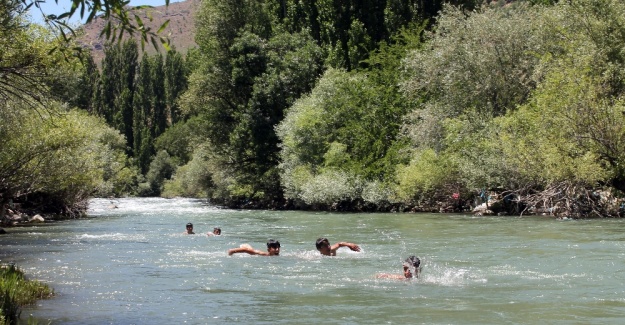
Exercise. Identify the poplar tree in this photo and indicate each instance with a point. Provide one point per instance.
(248, 76)
(159, 109)
(175, 83)
(117, 86)
(142, 114)
(89, 84)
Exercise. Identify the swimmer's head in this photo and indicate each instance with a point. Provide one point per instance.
(273, 247)
(189, 225)
(412, 267)
(412, 261)
(217, 231)
(322, 242)
(323, 246)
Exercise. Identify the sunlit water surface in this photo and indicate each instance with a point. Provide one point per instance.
(133, 265)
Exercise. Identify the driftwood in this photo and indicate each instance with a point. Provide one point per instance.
(569, 200)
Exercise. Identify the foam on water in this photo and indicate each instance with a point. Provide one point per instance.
(149, 206)
(117, 236)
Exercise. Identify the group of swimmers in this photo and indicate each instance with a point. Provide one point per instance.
(216, 231)
(411, 266)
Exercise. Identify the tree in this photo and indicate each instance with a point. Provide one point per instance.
(117, 87)
(575, 117)
(342, 141)
(25, 62)
(62, 156)
(248, 76)
(23, 67)
(88, 82)
(483, 62)
(159, 109)
(349, 29)
(176, 74)
(142, 115)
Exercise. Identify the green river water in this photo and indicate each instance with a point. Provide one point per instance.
(133, 265)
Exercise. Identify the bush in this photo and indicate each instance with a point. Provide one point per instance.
(66, 154)
(16, 291)
(192, 179)
(161, 169)
(427, 175)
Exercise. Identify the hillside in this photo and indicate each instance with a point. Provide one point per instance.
(180, 31)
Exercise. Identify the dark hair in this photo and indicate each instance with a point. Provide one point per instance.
(322, 242)
(271, 243)
(217, 229)
(412, 261)
(189, 225)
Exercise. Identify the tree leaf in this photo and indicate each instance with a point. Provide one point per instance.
(163, 26)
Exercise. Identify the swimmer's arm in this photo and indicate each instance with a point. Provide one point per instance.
(351, 246)
(248, 250)
(390, 276)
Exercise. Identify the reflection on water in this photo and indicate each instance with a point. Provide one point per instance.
(133, 265)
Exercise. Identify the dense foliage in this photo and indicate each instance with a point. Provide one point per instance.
(343, 105)
(52, 155)
(525, 100)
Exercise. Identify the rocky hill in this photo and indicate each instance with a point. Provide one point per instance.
(180, 31)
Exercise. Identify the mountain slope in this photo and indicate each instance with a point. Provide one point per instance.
(180, 31)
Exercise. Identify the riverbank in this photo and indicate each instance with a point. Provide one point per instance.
(556, 202)
(16, 291)
(38, 209)
(561, 201)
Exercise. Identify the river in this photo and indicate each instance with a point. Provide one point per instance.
(133, 265)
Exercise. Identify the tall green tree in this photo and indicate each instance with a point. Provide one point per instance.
(483, 62)
(159, 108)
(142, 114)
(349, 29)
(176, 76)
(117, 86)
(89, 84)
(247, 77)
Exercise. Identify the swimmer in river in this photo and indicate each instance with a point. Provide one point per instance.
(412, 269)
(216, 232)
(189, 229)
(324, 247)
(273, 249)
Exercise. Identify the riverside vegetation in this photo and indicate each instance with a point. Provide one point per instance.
(343, 105)
(16, 291)
(397, 105)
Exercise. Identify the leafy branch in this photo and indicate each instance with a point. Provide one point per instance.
(120, 19)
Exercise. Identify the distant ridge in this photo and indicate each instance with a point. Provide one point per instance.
(181, 28)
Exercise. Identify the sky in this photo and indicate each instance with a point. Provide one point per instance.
(50, 7)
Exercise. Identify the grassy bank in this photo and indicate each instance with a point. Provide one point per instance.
(16, 291)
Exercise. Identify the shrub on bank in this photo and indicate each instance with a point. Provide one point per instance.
(16, 291)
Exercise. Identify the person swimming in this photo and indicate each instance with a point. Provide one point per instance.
(324, 247)
(273, 249)
(189, 229)
(412, 269)
(216, 232)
